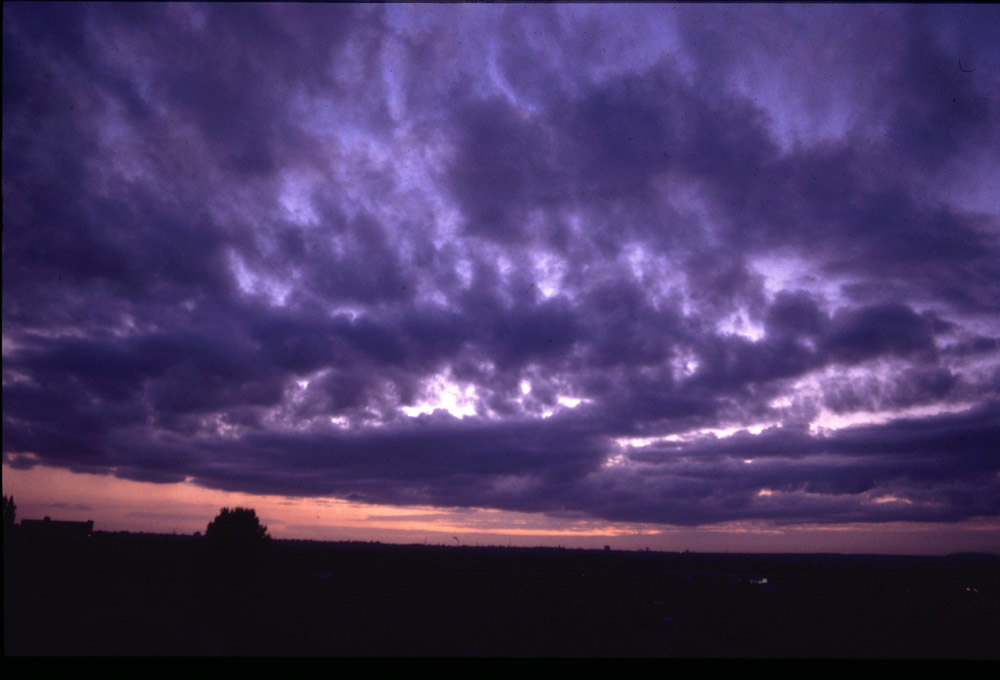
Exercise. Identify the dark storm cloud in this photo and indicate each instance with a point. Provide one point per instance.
(258, 245)
(499, 149)
(847, 470)
(858, 334)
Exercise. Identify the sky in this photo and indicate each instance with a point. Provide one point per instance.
(714, 277)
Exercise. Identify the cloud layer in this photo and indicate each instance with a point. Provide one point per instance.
(664, 264)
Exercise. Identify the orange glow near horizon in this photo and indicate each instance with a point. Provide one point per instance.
(124, 505)
(184, 508)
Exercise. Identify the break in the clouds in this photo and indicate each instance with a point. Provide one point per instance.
(669, 264)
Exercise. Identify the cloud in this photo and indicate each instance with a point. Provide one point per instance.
(470, 256)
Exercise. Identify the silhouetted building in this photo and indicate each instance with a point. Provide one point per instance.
(56, 530)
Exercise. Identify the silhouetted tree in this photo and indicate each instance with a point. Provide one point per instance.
(238, 527)
(9, 512)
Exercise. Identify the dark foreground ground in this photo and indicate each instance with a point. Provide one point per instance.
(128, 594)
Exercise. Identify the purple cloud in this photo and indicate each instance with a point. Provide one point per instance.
(556, 259)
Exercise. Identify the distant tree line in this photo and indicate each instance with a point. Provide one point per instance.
(9, 512)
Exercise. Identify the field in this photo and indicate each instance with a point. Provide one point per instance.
(143, 594)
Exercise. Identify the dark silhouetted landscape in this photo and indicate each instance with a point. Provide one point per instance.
(149, 594)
